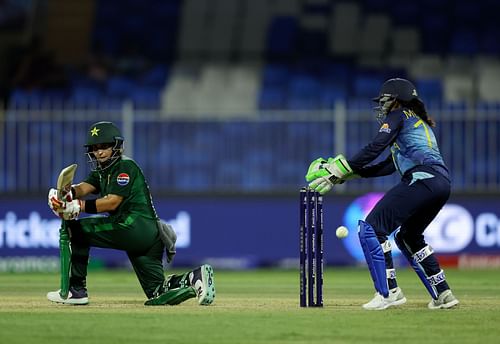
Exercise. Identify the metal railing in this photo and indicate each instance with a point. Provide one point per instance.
(257, 153)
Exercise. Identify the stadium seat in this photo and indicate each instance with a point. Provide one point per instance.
(282, 36)
(303, 93)
(366, 85)
(120, 87)
(405, 13)
(464, 42)
(156, 76)
(429, 90)
(272, 98)
(146, 97)
(331, 94)
(435, 30)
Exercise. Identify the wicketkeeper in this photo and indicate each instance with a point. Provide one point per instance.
(132, 226)
(410, 206)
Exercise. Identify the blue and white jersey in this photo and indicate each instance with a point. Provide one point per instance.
(412, 143)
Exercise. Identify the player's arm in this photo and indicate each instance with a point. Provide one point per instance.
(385, 136)
(383, 168)
(83, 189)
(104, 204)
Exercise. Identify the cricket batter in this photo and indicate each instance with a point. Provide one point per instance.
(132, 226)
(410, 206)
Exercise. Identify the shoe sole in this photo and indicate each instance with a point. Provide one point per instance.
(207, 277)
(448, 305)
(387, 305)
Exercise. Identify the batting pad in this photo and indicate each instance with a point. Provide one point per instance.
(374, 256)
(415, 262)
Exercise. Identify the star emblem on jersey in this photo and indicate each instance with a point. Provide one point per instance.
(95, 131)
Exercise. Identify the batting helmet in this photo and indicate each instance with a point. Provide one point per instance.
(104, 133)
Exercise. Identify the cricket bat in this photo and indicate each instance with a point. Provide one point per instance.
(64, 182)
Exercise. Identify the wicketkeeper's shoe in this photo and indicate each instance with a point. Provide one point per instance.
(445, 300)
(75, 297)
(395, 298)
(203, 282)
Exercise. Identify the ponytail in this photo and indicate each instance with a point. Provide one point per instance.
(418, 107)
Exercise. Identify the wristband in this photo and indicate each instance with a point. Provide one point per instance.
(90, 207)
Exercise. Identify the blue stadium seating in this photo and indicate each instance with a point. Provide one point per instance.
(145, 97)
(275, 74)
(405, 12)
(430, 90)
(301, 74)
(464, 42)
(120, 87)
(272, 98)
(366, 85)
(283, 36)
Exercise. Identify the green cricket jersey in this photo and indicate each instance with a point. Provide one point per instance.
(125, 178)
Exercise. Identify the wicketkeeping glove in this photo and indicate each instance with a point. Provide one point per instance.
(324, 174)
(321, 185)
(313, 169)
(334, 168)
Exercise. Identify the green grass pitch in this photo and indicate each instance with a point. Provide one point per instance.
(256, 306)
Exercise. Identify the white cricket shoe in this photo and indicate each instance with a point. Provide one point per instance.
(75, 297)
(445, 300)
(395, 298)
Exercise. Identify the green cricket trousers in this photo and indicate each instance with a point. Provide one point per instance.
(135, 234)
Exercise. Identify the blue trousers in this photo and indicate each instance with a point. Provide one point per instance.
(411, 205)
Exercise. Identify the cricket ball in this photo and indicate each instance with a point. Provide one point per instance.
(342, 232)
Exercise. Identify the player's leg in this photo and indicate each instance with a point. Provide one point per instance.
(172, 291)
(433, 193)
(148, 267)
(103, 232)
(201, 279)
(375, 255)
(373, 233)
(78, 256)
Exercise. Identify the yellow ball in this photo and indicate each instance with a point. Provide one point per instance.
(342, 232)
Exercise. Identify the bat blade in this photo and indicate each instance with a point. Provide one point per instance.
(65, 180)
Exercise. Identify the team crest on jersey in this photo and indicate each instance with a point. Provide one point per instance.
(385, 128)
(122, 179)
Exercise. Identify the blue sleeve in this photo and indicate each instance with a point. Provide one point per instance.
(385, 136)
(383, 168)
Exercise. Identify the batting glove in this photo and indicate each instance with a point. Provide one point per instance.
(71, 210)
(55, 204)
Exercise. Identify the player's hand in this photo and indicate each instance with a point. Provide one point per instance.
(314, 168)
(337, 170)
(54, 202)
(322, 185)
(71, 210)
